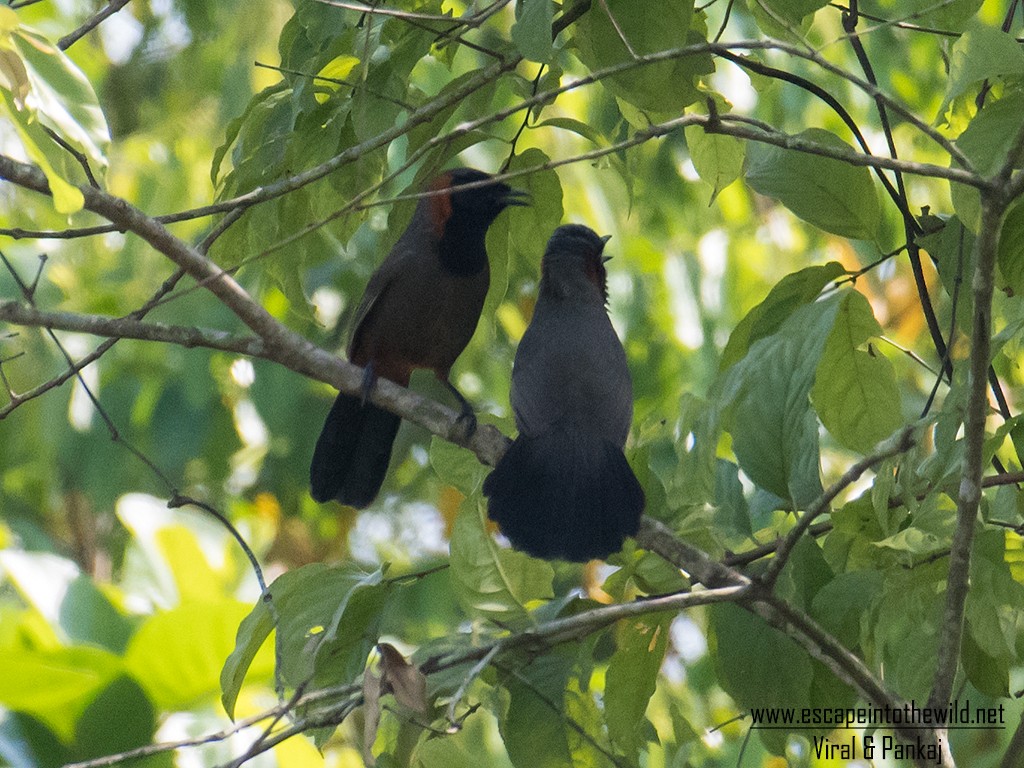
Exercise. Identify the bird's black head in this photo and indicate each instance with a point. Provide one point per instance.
(482, 204)
(462, 216)
(574, 258)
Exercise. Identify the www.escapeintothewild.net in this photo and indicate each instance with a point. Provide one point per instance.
(955, 716)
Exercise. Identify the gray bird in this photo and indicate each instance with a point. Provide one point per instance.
(564, 489)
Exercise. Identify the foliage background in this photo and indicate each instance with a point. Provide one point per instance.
(117, 614)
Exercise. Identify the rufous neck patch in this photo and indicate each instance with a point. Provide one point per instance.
(595, 272)
(440, 206)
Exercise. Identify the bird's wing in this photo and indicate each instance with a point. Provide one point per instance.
(378, 285)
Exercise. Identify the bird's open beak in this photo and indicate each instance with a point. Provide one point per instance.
(604, 242)
(516, 197)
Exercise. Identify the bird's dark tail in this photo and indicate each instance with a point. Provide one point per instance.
(352, 453)
(565, 495)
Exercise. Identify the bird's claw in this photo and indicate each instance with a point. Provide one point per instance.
(468, 418)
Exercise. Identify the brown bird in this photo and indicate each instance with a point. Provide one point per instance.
(564, 489)
(419, 310)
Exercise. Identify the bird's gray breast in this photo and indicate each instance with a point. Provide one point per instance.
(570, 370)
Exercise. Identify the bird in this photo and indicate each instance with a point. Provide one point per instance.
(563, 489)
(419, 310)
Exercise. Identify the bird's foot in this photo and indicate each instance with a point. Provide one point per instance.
(468, 419)
(466, 415)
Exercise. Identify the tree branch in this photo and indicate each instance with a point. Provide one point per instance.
(129, 328)
(18, 400)
(993, 208)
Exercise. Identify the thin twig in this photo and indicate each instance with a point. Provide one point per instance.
(336, 81)
(618, 29)
(902, 23)
(560, 712)
(393, 12)
(115, 433)
(911, 229)
(94, 21)
(899, 443)
(472, 675)
(80, 158)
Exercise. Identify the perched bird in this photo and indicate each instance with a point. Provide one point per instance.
(563, 489)
(419, 310)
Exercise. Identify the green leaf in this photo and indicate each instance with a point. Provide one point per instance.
(948, 15)
(830, 194)
(840, 605)
(13, 74)
(990, 634)
(353, 631)
(586, 130)
(88, 616)
(929, 533)
(732, 514)
(855, 391)
(791, 292)
(1011, 249)
(462, 749)
(26, 741)
(63, 99)
(120, 718)
(40, 148)
(519, 235)
(649, 26)
(989, 674)
(981, 53)
(252, 632)
(305, 601)
(177, 655)
(952, 249)
(789, 13)
(56, 685)
(491, 581)
(234, 127)
(338, 68)
(42, 579)
(758, 665)
(774, 431)
(533, 729)
(986, 142)
(532, 31)
(805, 574)
(904, 623)
(455, 465)
(632, 676)
(717, 158)
(581, 707)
